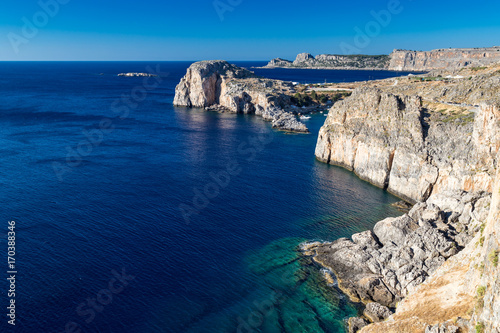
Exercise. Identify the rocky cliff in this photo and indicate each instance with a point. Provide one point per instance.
(394, 142)
(398, 60)
(218, 85)
(449, 59)
(463, 295)
(332, 61)
(385, 265)
(434, 142)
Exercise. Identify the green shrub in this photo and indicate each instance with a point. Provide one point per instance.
(323, 99)
(480, 327)
(301, 99)
(314, 95)
(493, 256)
(481, 290)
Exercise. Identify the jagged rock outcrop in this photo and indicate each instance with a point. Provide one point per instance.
(376, 312)
(218, 85)
(278, 62)
(385, 265)
(303, 58)
(486, 265)
(463, 295)
(395, 143)
(449, 59)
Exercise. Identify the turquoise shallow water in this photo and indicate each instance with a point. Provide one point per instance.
(234, 267)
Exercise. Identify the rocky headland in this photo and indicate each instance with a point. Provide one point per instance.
(434, 141)
(220, 86)
(333, 61)
(398, 60)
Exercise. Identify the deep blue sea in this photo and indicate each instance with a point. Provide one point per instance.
(136, 216)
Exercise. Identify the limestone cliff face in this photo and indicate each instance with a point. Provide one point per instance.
(223, 86)
(463, 295)
(403, 60)
(436, 144)
(395, 143)
(398, 60)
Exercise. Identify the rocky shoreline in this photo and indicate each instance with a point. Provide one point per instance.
(381, 267)
(398, 60)
(445, 163)
(431, 140)
(223, 87)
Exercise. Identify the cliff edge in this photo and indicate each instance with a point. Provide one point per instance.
(434, 141)
(448, 59)
(412, 147)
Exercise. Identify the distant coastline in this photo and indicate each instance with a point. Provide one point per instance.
(339, 69)
(398, 60)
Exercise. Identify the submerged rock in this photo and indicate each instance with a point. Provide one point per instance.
(304, 302)
(402, 206)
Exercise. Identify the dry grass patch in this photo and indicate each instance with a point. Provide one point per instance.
(439, 299)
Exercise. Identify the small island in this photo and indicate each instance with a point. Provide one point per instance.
(137, 74)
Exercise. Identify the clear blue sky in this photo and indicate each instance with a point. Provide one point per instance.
(241, 30)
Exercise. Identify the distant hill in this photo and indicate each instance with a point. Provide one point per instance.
(306, 60)
(398, 60)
